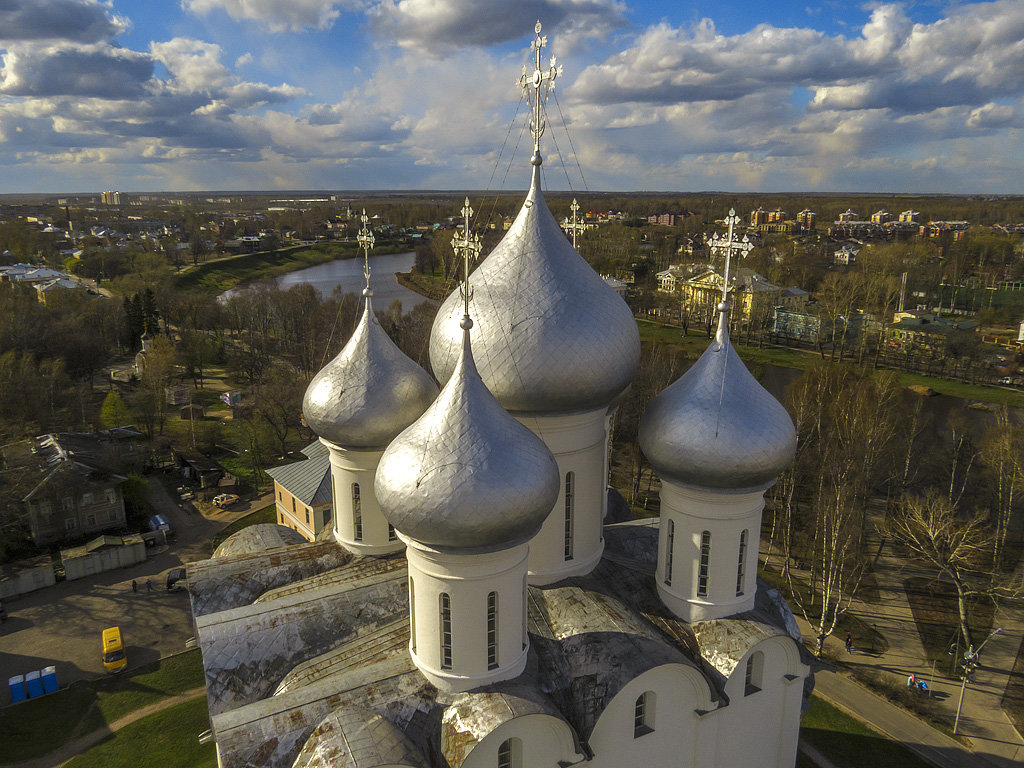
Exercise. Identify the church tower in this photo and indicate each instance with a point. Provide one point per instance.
(556, 346)
(357, 404)
(467, 487)
(718, 440)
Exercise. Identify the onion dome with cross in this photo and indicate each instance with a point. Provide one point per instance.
(552, 337)
(466, 475)
(371, 391)
(716, 427)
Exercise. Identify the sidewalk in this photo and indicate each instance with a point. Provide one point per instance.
(994, 741)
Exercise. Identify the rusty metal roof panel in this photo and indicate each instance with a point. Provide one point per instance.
(233, 581)
(254, 539)
(353, 737)
(247, 651)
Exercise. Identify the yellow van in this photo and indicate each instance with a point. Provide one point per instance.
(114, 659)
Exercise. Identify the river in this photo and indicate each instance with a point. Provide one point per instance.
(347, 275)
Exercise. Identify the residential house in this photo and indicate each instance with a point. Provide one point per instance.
(920, 331)
(303, 491)
(80, 478)
(845, 255)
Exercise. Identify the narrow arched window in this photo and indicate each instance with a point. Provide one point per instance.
(510, 754)
(392, 533)
(492, 630)
(357, 513)
(526, 608)
(705, 564)
(412, 615)
(570, 501)
(643, 714)
(446, 631)
(754, 673)
(670, 542)
(741, 567)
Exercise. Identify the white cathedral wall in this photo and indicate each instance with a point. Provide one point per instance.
(724, 516)
(544, 742)
(769, 718)
(680, 737)
(579, 445)
(467, 579)
(350, 468)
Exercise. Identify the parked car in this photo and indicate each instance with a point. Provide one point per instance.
(176, 579)
(224, 499)
(160, 523)
(185, 493)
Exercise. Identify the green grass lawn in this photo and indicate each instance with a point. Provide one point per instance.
(696, 342)
(267, 514)
(165, 739)
(849, 743)
(40, 725)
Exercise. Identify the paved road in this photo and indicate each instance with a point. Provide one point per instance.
(61, 625)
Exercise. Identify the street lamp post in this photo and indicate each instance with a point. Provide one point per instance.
(970, 664)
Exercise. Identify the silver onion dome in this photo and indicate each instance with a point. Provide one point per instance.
(466, 475)
(716, 427)
(552, 336)
(369, 393)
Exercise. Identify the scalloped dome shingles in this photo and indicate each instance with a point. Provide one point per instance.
(716, 427)
(369, 393)
(551, 336)
(466, 475)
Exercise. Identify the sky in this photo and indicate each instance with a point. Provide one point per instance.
(737, 95)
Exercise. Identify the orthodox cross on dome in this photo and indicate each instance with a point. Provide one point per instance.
(574, 226)
(467, 247)
(537, 85)
(366, 240)
(728, 246)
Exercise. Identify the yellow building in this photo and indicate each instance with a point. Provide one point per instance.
(751, 296)
(302, 492)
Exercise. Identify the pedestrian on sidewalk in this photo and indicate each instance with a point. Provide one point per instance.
(135, 586)
(912, 681)
(149, 585)
(849, 642)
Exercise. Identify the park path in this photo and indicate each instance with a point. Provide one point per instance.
(983, 721)
(77, 746)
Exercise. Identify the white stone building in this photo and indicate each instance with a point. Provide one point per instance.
(507, 623)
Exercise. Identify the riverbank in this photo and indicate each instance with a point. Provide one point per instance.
(428, 286)
(224, 274)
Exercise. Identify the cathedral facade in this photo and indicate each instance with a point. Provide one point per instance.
(473, 604)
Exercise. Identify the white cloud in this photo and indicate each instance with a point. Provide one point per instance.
(435, 27)
(277, 15)
(83, 21)
(91, 70)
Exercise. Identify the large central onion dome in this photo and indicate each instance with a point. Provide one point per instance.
(466, 475)
(716, 427)
(553, 336)
(369, 393)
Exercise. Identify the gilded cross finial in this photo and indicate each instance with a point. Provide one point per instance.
(728, 246)
(536, 86)
(467, 247)
(574, 226)
(366, 240)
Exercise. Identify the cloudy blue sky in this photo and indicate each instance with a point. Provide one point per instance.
(741, 95)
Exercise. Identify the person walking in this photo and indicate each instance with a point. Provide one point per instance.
(135, 586)
(149, 585)
(849, 642)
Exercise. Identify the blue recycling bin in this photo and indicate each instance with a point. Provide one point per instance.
(34, 684)
(17, 686)
(50, 680)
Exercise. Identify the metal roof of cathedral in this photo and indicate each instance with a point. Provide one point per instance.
(258, 538)
(369, 393)
(466, 475)
(552, 336)
(716, 427)
(331, 647)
